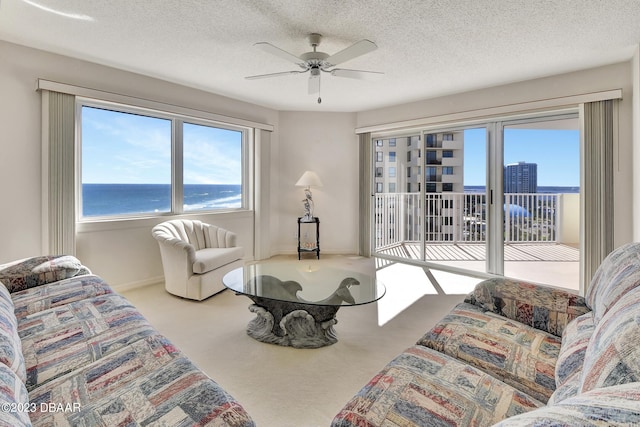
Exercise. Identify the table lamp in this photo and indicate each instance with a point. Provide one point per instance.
(308, 179)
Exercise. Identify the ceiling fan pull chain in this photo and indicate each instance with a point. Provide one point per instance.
(319, 98)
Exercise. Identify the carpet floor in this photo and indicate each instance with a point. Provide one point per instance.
(288, 387)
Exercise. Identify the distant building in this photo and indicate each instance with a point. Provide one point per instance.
(521, 177)
(400, 168)
(433, 162)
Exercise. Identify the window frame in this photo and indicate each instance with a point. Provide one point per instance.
(177, 173)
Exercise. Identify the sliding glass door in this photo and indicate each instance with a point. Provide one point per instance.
(429, 199)
(498, 198)
(541, 195)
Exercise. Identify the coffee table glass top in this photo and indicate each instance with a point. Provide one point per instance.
(305, 282)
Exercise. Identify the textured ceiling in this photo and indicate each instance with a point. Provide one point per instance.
(425, 48)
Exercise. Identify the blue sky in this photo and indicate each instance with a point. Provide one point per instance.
(133, 149)
(557, 153)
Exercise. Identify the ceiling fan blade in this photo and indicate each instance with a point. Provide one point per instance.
(269, 48)
(353, 51)
(266, 76)
(357, 74)
(314, 84)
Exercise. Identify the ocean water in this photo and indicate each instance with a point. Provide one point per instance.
(541, 189)
(123, 199)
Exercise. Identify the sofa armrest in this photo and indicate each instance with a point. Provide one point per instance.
(40, 270)
(542, 307)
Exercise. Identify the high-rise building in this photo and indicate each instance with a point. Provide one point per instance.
(400, 168)
(521, 177)
(435, 161)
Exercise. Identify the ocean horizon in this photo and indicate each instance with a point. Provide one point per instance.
(125, 199)
(543, 189)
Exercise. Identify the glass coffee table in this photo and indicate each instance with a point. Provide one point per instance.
(296, 302)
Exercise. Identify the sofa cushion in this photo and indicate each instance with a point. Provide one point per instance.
(572, 352)
(617, 274)
(604, 407)
(60, 340)
(14, 400)
(149, 382)
(569, 388)
(10, 344)
(58, 294)
(613, 354)
(422, 387)
(211, 258)
(517, 354)
(542, 307)
(40, 270)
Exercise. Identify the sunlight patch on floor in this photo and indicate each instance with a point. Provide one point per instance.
(405, 284)
(455, 284)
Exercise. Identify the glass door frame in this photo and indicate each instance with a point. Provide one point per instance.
(494, 183)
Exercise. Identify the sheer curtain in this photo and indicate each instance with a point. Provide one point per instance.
(58, 175)
(599, 127)
(365, 194)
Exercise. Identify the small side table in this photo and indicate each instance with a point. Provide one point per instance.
(315, 220)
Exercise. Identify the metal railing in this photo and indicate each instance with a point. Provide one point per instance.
(461, 218)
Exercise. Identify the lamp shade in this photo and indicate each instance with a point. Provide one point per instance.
(309, 179)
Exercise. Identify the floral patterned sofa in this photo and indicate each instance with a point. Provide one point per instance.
(518, 354)
(73, 352)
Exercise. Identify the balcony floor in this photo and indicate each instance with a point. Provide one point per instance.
(549, 263)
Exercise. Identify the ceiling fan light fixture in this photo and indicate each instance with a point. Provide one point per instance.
(315, 61)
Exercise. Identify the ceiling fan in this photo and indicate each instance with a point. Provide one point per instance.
(316, 62)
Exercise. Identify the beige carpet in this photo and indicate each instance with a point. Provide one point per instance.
(287, 387)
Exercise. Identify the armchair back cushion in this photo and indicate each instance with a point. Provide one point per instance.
(199, 234)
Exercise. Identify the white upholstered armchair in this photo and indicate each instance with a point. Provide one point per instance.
(195, 256)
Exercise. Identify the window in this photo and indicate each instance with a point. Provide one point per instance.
(431, 187)
(378, 187)
(392, 156)
(392, 187)
(392, 172)
(447, 186)
(212, 167)
(432, 158)
(392, 142)
(379, 155)
(379, 143)
(447, 170)
(379, 172)
(409, 172)
(431, 173)
(127, 162)
(447, 153)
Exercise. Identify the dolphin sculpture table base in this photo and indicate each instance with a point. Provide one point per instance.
(283, 318)
(292, 324)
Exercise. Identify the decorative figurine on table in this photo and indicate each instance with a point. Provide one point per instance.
(308, 206)
(308, 179)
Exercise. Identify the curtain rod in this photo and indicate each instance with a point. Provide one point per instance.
(509, 109)
(43, 84)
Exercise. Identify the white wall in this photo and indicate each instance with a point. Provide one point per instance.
(326, 144)
(617, 76)
(121, 252)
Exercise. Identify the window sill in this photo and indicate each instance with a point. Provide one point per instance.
(107, 224)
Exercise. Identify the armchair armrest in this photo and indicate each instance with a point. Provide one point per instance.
(542, 307)
(40, 270)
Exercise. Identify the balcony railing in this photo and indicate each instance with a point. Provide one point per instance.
(461, 218)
